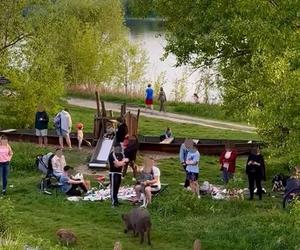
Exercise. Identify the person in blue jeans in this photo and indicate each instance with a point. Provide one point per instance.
(6, 154)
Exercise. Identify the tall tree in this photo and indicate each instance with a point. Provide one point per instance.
(256, 45)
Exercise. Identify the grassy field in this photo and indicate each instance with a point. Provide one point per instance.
(210, 111)
(178, 217)
(156, 127)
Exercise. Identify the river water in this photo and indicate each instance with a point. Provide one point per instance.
(150, 34)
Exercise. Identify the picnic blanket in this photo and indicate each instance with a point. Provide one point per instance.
(218, 192)
(125, 193)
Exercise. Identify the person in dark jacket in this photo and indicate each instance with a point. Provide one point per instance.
(117, 161)
(41, 125)
(122, 130)
(255, 169)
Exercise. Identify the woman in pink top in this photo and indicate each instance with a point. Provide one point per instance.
(6, 154)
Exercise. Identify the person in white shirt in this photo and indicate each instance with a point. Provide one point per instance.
(63, 127)
(149, 182)
(58, 162)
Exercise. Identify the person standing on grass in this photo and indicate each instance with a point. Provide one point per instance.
(255, 169)
(184, 149)
(6, 154)
(63, 126)
(41, 125)
(192, 168)
(116, 161)
(162, 99)
(149, 97)
(227, 162)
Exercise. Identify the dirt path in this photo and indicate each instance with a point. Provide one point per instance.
(166, 116)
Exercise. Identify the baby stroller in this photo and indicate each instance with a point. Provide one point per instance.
(50, 181)
(292, 191)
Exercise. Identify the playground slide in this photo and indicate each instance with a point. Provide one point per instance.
(100, 156)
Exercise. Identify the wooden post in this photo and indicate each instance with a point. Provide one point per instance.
(103, 109)
(98, 104)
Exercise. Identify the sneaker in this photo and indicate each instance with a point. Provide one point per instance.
(3, 192)
(199, 196)
(133, 179)
(188, 188)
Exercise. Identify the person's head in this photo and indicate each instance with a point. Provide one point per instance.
(229, 146)
(168, 129)
(161, 89)
(66, 109)
(40, 108)
(148, 164)
(255, 151)
(121, 119)
(188, 143)
(67, 169)
(3, 140)
(59, 152)
(149, 85)
(79, 126)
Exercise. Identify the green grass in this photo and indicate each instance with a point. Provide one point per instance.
(209, 111)
(155, 127)
(178, 217)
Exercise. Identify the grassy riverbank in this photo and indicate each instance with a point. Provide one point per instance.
(178, 217)
(210, 111)
(155, 127)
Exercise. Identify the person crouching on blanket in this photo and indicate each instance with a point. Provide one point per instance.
(70, 186)
(117, 161)
(149, 182)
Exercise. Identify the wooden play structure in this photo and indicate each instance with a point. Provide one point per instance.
(104, 143)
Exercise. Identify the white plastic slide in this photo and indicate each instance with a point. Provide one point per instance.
(100, 156)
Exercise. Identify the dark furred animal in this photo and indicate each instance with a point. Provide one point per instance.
(138, 220)
(66, 236)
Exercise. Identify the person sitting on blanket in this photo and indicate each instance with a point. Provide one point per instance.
(168, 134)
(70, 185)
(149, 181)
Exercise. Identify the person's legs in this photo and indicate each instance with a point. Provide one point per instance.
(40, 139)
(118, 179)
(148, 194)
(61, 141)
(138, 189)
(161, 106)
(79, 142)
(68, 140)
(134, 168)
(73, 191)
(4, 173)
(258, 186)
(45, 139)
(251, 185)
(225, 175)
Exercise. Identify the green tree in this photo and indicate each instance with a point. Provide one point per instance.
(256, 45)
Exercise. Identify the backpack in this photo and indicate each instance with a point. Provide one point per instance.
(57, 121)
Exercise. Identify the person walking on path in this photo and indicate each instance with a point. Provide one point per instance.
(116, 161)
(63, 126)
(41, 126)
(149, 97)
(6, 154)
(162, 99)
(227, 162)
(255, 169)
